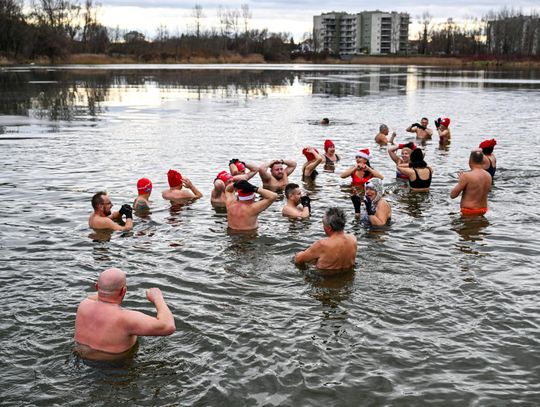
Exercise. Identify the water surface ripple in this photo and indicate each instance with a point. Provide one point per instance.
(439, 310)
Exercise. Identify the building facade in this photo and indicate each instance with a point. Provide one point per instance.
(368, 32)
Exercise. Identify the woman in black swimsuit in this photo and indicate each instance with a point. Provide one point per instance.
(313, 160)
(490, 161)
(418, 172)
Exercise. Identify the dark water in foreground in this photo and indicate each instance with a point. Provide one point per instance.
(439, 311)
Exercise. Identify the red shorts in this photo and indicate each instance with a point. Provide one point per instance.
(473, 212)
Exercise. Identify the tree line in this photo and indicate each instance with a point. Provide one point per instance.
(507, 32)
(59, 28)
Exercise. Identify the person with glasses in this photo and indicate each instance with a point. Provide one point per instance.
(103, 217)
(106, 331)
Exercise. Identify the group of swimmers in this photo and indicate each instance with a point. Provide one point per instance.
(103, 330)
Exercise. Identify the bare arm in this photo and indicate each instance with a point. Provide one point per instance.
(295, 212)
(392, 153)
(429, 132)
(374, 172)
(310, 254)
(381, 214)
(291, 166)
(229, 192)
(263, 171)
(253, 169)
(268, 198)
(348, 172)
(188, 184)
(160, 325)
(462, 183)
(108, 223)
(308, 170)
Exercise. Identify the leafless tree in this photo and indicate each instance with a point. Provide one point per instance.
(197, 14)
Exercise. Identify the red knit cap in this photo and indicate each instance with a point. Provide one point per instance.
(328, 144)
(224, 176)
(174, 178)
(488, 143)
(445, 122)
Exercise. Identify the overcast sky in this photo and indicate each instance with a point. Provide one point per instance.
(293, 16)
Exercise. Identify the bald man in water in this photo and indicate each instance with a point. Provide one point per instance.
(474, 187)
(105, 331)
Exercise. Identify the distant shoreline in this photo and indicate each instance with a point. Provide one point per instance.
(480, 62)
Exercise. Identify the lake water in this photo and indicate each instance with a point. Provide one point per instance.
(439, 310)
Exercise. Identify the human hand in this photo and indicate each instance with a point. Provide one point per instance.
(126, 210)
(306, 202)
(416, 125)
(438, 122)
(233, 161)
(187, 183)
(369, 205)
(153, 294)
(245, 186)
(460, 173)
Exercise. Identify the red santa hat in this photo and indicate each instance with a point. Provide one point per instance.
(364, 153)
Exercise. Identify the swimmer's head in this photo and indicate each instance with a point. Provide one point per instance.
(325, 121)
(111, 284)
(309, 155)
(416, 159)
(334, 220)
(276, 169)
(225, 177)
(424, 121)
(384, 129)
(292, 192)
(174, 178)
(476, 157)
(487, 146)
(363, 156)
(144, 186)
(329, 144)
(101, 201)
(374, 189)
(445, 122)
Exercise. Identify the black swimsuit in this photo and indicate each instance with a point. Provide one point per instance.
(491, 168)
(420, 183)
(328, 161)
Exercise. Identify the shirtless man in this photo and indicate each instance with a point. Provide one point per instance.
(237, 167)
(443, 130)
(106, 331)
(336, 252)
(176, 192)
(278, 177)
(103, 218)
(382, 137)
(217, 197)
(294, 199)
(474, 186)
(242, 210)
(421, 129)
(144, 188)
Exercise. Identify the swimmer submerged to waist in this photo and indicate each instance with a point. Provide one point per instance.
(87, 352)
(473, 212)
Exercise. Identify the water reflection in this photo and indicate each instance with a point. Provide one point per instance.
(330, 290)
(470, 229)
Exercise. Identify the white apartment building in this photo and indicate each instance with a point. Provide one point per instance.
(371, 32)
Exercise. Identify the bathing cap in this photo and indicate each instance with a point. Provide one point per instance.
(309, 156)
(377, 185)
(144, 186)
(224, 176)
(488, 143)
(445, 122)
(240, 166)
(175, 178)
(328, 144)
(364, 153)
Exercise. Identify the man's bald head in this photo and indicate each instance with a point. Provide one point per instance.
(111, 282)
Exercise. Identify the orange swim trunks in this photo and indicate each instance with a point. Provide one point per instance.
(473, 212)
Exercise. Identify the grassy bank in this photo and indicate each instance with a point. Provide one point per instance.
(449, 62)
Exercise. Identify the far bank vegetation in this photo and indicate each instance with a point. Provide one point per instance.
(66, 31)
